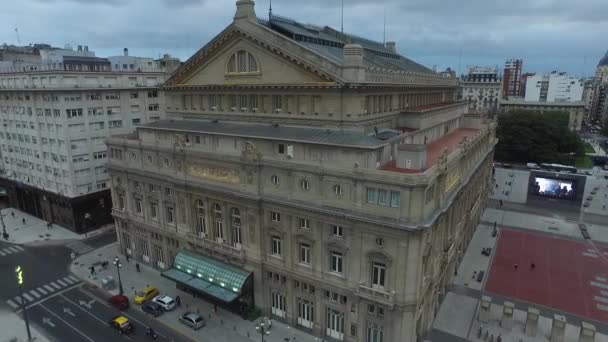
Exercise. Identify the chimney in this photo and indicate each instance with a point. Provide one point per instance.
(353, 69)
(245, 10)
(86, 48)
(391, 46)
(125, 52)
(79, 47)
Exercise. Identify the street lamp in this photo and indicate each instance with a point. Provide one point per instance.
(118, 266)
(263, 329)
(19, 273)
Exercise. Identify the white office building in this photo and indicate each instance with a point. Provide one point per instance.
(554, 87)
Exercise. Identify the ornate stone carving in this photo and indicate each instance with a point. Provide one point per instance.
(250, 152)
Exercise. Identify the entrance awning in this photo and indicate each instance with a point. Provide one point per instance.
(207, 275)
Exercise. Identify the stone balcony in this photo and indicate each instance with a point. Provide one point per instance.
(213, 248)
(376, 295)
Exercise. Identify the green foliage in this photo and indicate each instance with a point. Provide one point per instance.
(589, 148)
(584, 162)
(528, 136)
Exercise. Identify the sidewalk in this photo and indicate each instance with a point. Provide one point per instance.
(35, 230)
(13, 328)
(221, 326)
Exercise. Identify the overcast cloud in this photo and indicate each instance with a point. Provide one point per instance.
(549, 35)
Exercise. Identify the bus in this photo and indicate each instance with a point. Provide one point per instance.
(558, 168)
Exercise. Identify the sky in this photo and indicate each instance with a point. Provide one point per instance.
(562, 35)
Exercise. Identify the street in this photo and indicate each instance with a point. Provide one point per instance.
(59, 304)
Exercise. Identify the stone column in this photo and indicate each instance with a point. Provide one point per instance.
(484, 309)
(507, 315)
(558, 328)
(532, 322)
(587, 333)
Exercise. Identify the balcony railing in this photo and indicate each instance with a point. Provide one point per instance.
(376, 295)
(212, 245)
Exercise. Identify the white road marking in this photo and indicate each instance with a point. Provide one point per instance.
(61, 283)
(2, 253)
(602, 279)
(590, 255)
(17, 300)
(12, 304)
(66, 323)
(50, 289)
(73, 278)
(28, 297)
(602, 285)
(601, 299)
(40, 289)
(602, 307)
(19, 248)
(68, 280)
(34, 293)
(54, 284)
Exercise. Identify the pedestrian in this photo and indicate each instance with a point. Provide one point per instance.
(13, 214)
(501, 203)
(92, 268)
(178, 300)
(72, 256)
(515, 265)
(532, 265)
(137, 266)
(127, 257)
(23, 220)
(494, 224)
(499, 338)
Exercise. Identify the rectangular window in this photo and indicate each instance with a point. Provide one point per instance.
(277, 103)
(115, 123)
(281, 149)
(138, 208)
(336, 262)
(375, 333)
(170, 215)
(372, 195)
(337, 230)
(276, 246)
(154, 210)
(382, 197)
(243, 102)
(395, 199)
(378, 275)
(121, 202)
(276, 217)
(305, 253)
(168, 191)
(304, 223)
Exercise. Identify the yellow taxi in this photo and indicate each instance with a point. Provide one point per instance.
(145, 295)
(122, 324)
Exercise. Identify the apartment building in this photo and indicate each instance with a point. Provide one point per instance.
(55, 121)
(320, 176)
(482, 89)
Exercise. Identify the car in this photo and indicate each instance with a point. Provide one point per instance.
(152, 308)
(145, 295)
(122, 324)
(166, 302)
(121, 302)
(193, 320)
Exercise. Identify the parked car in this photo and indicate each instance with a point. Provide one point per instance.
(122, 324)
(145, 295)
(166, 302)
(152, 308)
(121, 302)
(193, 320)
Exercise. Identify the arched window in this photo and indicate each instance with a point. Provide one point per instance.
(217, 218)
(237, 236)
(241, 62)
(201, 220)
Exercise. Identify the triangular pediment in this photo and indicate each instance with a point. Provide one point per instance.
(211, 65)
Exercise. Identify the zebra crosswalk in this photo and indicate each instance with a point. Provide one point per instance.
(33, 295)
(79, 247)
(10, 250)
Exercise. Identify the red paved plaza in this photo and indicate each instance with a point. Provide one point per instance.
(568, 275)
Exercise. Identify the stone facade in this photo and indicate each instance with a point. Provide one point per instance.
(288, 164)
(482, 89)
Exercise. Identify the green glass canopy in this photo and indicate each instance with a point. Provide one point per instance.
(213, 277)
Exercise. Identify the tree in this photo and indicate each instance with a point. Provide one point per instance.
(529, 136)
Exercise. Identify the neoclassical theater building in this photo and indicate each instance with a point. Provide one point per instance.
(321, 177)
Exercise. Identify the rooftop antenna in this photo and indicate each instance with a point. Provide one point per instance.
(270, 11)
(384, 30)
(342, 23)
(17, 33)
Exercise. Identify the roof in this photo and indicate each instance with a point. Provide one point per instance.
(604, 60)
(522, 102)
(271, 131)
(329, 42)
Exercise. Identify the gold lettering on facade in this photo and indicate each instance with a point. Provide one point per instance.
(214, 173)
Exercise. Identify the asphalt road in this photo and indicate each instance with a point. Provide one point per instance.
(61, 306)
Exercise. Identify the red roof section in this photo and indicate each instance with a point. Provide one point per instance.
(435, 148)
